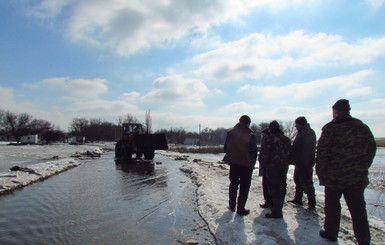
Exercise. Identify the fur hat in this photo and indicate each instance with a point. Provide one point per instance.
(274, 124)
(301, 121)
(342, 105)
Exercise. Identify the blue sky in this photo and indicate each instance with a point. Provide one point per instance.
(193, 62)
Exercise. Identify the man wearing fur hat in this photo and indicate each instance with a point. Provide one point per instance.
(241, 154)
(345, 152)
(303, 158)
(274, 158)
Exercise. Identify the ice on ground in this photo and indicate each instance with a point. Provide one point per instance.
(35, 172)
(38, 162)
(299, 225)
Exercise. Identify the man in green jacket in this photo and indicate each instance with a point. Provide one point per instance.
(345, 151)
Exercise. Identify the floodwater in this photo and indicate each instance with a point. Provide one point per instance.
(103, 202)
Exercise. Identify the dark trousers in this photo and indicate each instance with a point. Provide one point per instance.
(266, 194)
(355, 200)
(276, 180)
(240, 176)
(303, 179)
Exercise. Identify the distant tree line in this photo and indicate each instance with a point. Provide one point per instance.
(14, 126)
(217, 136)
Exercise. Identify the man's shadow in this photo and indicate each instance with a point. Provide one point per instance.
(274, 229)
(309, 223)
(230, 225)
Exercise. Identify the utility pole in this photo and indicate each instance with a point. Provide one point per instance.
(199, 136)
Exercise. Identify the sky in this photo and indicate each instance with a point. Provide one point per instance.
(193, 64)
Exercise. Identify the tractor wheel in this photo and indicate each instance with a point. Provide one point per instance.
(126, 151)
(139, 154)
(149, 155)
(118, 151)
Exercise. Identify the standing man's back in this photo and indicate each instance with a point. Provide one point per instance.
(303, 157)
(241, 154)
(345, 152)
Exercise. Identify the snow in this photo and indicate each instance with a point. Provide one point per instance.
(299, 226)
(16, 179)
(51, 160)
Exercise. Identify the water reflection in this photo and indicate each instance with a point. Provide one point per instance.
(139, 167)
(141, 175)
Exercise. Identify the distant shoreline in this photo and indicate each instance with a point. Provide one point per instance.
(380, 142)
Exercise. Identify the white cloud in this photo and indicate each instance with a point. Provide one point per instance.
(348, 85)
(130, 97)
(176, 89)
(240, 108)
(217, 91)
(101, 107)
(375, 3)
(6, 96)
(260, 55)
(49, 8)
(129, 26)
(81, 88)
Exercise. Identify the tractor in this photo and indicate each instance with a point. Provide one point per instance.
(135, 140)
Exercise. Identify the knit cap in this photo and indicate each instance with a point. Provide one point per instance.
(274, 124)
(342, 105)
(301, 121)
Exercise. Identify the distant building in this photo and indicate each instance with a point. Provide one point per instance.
(191, 141)
(29, 139)
(77, 139)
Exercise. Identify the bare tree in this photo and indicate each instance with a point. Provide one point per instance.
(2, 127)
(17, 124)
(38, 126)
(79, 126)
(127, 119)
(148, 122)
(290, 130)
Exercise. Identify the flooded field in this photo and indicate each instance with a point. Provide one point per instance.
(103, 202)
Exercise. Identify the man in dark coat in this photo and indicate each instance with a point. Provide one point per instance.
(241, 154)
(274, 158)
(303, 157)
(345, 151)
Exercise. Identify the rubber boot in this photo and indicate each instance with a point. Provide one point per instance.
(311, 200)
(241, 207)
(276, 211)
(232, 200)
(298, 197)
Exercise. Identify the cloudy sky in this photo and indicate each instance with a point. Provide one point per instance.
(193, 62)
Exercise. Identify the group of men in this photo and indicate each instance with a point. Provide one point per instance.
(342, 157)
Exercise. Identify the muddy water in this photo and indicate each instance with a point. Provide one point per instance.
(102, 202)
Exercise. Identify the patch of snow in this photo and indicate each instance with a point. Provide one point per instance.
(299, 225)
(38, 162)
(32, 173)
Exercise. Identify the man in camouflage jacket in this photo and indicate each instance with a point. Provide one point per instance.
(274, 158)
(345, 152)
